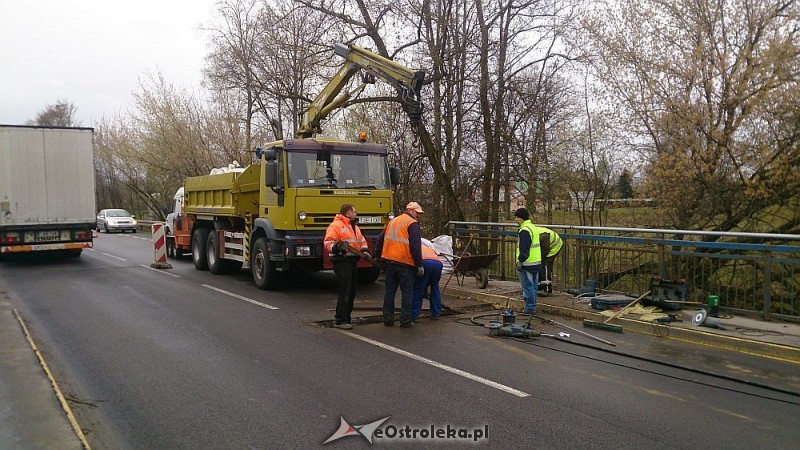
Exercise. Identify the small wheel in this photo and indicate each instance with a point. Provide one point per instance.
(482, 278)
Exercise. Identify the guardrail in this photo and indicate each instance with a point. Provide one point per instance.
(754, 273)
(146, 225)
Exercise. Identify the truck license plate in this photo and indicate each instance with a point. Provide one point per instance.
(47, 236)
(369, 219)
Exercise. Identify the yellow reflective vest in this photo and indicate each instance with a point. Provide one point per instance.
(535, 252)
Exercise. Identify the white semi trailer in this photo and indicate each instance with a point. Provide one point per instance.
(47, 189)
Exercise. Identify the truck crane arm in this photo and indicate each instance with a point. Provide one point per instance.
(407, 82)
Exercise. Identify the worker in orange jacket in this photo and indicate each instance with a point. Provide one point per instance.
(342, 234)
(432, 266)
(399, 247)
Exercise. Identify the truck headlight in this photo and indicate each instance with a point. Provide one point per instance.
(302, 215)
(302, 250)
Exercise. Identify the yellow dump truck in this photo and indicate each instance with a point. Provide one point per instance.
(271, 216)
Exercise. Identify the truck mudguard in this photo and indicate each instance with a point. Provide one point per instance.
(265, 224)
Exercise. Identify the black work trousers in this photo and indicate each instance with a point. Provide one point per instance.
(347, 274)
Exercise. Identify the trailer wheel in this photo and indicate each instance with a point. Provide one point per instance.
(199, 239)
(265, 274)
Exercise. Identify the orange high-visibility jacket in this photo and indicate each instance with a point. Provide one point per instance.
(341, 230)
(429, 253)
(395, 240)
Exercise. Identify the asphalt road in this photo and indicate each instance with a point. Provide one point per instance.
(185, 359)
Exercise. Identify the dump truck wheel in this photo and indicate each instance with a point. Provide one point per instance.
(199, 239)
(215, 265)
(265, 274)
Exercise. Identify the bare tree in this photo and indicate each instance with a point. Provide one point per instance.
(270, 55)
(704, 87)
(144, 157)
(59, 114)
(366, 20)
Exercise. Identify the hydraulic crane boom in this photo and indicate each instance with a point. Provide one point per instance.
(407, 82)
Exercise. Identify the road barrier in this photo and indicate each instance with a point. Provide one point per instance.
(159, 246)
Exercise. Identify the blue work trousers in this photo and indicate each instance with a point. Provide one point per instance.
(402, 276)
(433, 273)
(529, 279)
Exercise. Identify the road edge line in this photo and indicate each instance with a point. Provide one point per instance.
(61, 399)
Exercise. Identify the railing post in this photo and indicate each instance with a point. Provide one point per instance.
(502, 254)
(580, 277)
(767, 284)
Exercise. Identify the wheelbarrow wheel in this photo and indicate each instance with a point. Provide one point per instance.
(482, 278)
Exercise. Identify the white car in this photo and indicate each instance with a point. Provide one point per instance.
(109, 220)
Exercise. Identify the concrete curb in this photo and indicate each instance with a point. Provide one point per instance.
(747, 346)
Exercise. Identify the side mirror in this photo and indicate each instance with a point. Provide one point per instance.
(132, 216)
(394, 176)
(271, 173)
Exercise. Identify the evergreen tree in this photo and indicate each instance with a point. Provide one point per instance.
(624, 186)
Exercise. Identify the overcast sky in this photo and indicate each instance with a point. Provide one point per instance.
(93, 53)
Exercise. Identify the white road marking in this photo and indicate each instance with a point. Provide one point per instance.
(114, 256)
(450, 369)
(263, 305)
(160, 271)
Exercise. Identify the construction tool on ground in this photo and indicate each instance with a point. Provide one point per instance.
(608, 327)
(669, 318)
(506, 328)
(591, 336)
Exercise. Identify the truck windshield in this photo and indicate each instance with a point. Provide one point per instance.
(337, 169)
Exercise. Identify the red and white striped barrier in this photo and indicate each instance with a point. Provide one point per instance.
(160, 245)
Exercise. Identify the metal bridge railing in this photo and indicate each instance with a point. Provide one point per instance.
(752, 273)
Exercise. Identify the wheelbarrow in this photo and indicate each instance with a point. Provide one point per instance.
(472, 266)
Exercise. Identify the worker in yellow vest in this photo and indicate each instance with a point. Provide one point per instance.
(399, 248)
(551, 244)
(529, 258)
